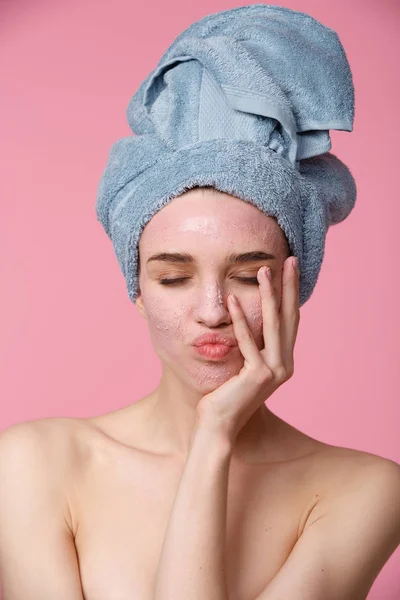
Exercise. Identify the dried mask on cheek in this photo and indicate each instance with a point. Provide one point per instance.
(165, 318)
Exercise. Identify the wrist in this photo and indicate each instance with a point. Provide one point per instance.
(213, 436)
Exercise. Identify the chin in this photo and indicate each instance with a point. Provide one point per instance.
(211, 376)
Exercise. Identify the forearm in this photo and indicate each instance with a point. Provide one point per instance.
(192, 562)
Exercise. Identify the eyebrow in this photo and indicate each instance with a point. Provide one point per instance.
(178, 257)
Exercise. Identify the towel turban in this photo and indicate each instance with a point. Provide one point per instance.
(242, 100)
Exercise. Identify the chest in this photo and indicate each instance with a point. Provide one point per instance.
(123, 507)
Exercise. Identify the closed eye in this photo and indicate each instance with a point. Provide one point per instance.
(245, 280)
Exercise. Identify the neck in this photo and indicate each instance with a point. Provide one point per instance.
(169, 417)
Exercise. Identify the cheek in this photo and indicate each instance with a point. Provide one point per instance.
(253, 313)
(165, 323)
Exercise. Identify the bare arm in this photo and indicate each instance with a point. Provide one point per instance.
(37, 552)
(341, 553)
(192, 563)
(337, 557)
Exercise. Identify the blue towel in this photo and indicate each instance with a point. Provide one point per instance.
(242, 100)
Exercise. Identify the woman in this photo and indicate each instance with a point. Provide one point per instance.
(198, 491)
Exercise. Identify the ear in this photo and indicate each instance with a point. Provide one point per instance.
(140, 306)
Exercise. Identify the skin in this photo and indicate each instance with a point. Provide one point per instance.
(150, 501)
(193, 557)
(209, 225)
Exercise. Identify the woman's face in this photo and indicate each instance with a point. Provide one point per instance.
(209, 226)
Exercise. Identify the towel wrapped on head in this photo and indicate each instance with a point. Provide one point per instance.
(242, 100)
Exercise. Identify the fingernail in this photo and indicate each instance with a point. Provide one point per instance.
(267, 272)
(295, 263)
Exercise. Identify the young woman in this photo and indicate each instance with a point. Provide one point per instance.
(198, 491)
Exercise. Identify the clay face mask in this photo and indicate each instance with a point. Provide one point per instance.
(209, 227)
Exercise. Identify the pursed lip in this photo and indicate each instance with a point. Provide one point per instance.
(214, 338)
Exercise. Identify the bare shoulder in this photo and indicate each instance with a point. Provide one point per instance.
(353, 465)
(355, 479)
(58, 435)
(49, 447)
(64, 441)
(375, 475)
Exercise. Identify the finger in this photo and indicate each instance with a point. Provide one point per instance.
(290, 312)
(241, 329)
(271, 354)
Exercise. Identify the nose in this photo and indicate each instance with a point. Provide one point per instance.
(212, 306)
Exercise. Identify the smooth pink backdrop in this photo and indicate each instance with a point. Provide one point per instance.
(72, 344)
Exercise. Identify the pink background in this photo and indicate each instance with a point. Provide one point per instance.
(72, 344)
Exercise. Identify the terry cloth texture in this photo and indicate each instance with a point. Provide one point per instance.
(242, 100)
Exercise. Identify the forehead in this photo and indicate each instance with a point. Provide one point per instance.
(199, 214)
